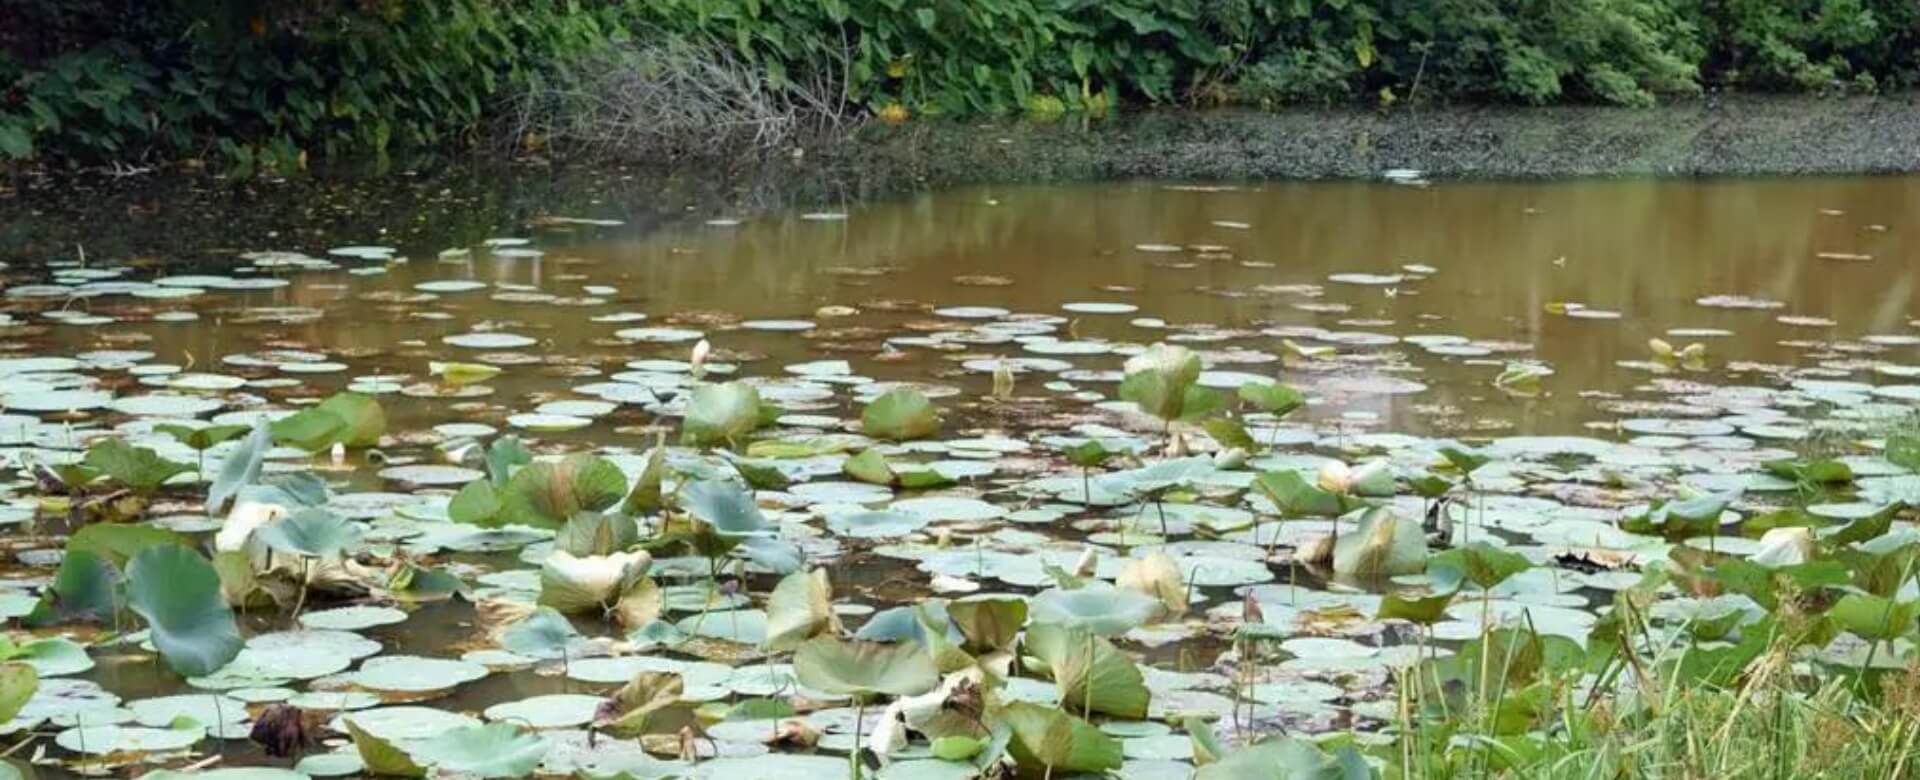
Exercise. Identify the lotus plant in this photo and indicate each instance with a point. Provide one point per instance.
(1162, 382)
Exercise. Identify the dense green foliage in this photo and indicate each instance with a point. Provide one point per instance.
(268, 81)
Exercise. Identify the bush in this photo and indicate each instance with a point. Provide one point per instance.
(264, 83)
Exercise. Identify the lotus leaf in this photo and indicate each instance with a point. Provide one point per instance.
(178, 593)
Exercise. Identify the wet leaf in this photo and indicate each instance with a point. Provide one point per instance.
(314, 533)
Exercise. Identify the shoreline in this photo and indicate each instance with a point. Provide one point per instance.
(186, 219)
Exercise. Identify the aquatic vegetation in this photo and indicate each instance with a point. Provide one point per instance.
(851, 557)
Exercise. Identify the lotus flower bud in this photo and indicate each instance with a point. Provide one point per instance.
(698, 362)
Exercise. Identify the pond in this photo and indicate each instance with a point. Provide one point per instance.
(1563, 383)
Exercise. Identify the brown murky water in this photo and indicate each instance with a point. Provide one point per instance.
(1503, 255)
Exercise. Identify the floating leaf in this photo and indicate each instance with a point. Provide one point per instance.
(543, 634)
(1102, 609)
(493, 750)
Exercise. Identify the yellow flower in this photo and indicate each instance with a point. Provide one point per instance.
(894, 113)
(897, 68)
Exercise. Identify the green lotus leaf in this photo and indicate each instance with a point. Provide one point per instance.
(901, 414)
(594, 533)
(546, 495)
(869, 466)
(1479, 563)
(139, 468)
(1092, 674)
(18, 682)
(313, 533)
(1384, 545)
(800, 608)
(1272, 397)
(240, 468)
(493, 750)
(864, 670)
(178, 593)
(348, 419)
(86, 588)
(1047, 741)
(1099, 608)
(726, 508)
(120, 543)
(722, 413)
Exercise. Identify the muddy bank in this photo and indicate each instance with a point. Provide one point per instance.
(196, 219)
(1720, 136)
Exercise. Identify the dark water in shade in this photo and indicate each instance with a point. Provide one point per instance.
(1254, 264)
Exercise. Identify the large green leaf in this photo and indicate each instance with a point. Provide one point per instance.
(1875, 617)
(864, 669)
(645, 497)
(1047, 741)
(201, 438)
(800, 608)
(18, 681)
(1384, 545)
(1479, 563)
(1092, 674)
(544, 634)
(1294, 496)
(1286, 758)
(138, 468)
(241, 467)
(348, 419)
(1158, 381)
(312, 533)
(988, 623)
(1272, 397)
(477, 503)
(901, 414)
(505, 455)
(723, 413)
(493, 750)
(86, 588)
(725, 507)
(546, 495)
(380, 757)
(1099, 608)
(178, 593)
(120, 543)
(869, 466)
(594, 533)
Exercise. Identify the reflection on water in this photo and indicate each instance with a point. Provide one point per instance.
(1254, 267)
